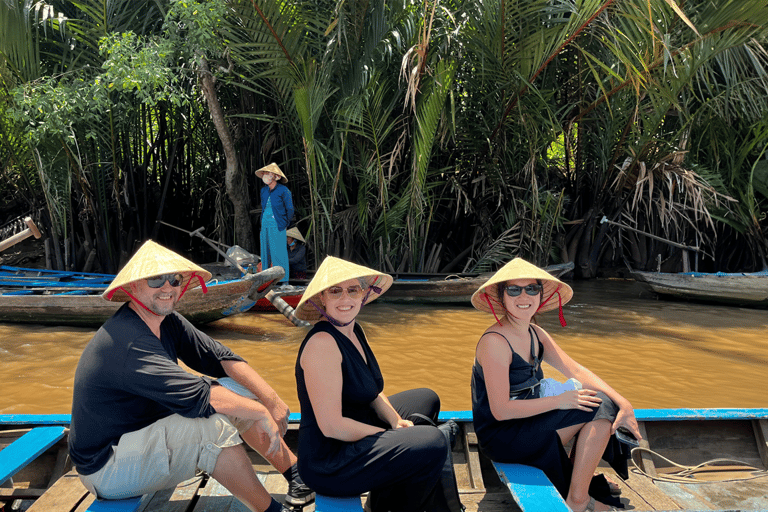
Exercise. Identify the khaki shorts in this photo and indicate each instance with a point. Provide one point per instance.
(164, 454)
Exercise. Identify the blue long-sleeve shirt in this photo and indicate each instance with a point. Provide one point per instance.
(282, 204)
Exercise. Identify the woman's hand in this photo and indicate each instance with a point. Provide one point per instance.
(582, 399)
(626, 418)
(401, 423)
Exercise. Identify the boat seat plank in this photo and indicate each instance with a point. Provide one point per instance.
(530, 488)
(26, 449)
(761, 436)
(334, 504)
(473, 457)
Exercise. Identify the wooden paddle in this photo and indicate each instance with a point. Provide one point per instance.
(18, 237)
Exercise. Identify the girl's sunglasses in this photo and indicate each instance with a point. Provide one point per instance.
(335, 292)
(531, 289)
(158, 281)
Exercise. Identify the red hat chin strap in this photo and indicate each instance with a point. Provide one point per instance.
(137, 301)
(488, 300)
(200, 279)
(559, 305)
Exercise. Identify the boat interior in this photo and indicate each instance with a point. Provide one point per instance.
(736, 481)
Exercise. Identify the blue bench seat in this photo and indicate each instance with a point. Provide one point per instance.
(333, 504)
(126, 505)
(530, 488)
(27, 448)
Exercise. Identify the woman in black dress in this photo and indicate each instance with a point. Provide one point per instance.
(514, 423)
(352, 437)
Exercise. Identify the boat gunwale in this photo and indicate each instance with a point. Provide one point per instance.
(672, 414)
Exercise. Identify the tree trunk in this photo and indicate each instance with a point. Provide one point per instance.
(237, 186)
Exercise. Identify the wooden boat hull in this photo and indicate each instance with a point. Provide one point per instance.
(223, 299)
(445, 288)
(735, 289)
(686, 436)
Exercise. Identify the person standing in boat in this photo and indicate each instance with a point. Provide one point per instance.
(513, 419)
(276, 214)
(353, 438)
(141, 423)
(297, 253)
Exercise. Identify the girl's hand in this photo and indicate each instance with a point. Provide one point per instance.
(401, 423)
(582, 399)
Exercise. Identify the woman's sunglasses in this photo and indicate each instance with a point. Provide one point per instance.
(531, 289)
(354, 292)
(158, 281)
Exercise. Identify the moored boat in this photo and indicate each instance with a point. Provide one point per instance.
(685, 436)
(426, 288)
(741, 289)
(67, 298)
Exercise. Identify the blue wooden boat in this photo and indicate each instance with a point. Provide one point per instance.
(740, 289)
(74, 298)
(33, 452)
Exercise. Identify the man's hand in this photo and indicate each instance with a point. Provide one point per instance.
(280, 412)
(268, 428)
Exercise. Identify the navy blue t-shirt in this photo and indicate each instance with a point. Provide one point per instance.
(127, 379)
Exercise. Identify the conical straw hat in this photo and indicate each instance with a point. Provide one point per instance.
(274, 169)
(333, 271)
(295, 234)
(555, 292)
(151, 260)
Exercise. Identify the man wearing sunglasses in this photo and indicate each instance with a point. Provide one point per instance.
(141, 423)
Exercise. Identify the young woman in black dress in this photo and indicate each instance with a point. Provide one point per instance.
(512, 421)
(352, 437)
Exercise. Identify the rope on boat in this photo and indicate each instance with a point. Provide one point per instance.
(686, 474)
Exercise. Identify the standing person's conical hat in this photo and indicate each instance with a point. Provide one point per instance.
(152, 260)
(295, 234)
(487, 298)
(274, 169)
(333, 271)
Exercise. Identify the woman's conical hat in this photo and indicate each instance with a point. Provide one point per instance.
(274, 169)
(555, 294)
(295, 234)
(333, 271)
(151, 260)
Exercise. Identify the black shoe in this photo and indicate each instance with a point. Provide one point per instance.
(450, 430)
(298, 493)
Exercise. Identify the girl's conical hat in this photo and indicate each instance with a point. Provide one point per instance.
(151, 260)
(556, 293)
(333, 271)
(274, 169)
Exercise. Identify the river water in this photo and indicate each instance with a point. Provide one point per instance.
(656, 353)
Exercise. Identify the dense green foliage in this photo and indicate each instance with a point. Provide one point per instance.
(441, 135)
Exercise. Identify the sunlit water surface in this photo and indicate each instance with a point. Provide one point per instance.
(656, 353)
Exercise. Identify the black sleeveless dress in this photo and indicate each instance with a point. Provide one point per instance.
(400, 467)
(532, 441)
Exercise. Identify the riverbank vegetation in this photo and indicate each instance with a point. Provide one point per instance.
(433, 135)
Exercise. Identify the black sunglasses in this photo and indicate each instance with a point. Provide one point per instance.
(514, 290)
(158, 281)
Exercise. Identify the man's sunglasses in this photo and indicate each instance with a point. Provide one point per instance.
(158, 281)
(354, 291)
(531, 289)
